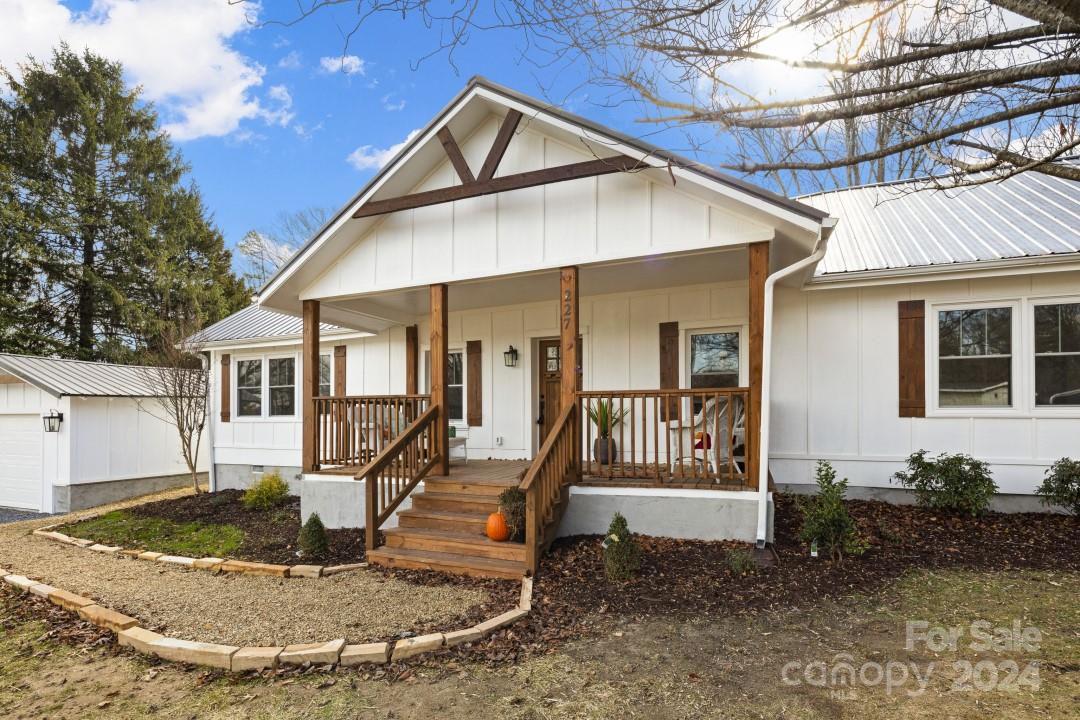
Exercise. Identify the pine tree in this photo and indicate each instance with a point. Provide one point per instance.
(111, 246)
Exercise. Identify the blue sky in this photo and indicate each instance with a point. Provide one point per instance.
(268, 116)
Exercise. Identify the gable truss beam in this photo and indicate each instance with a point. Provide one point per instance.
(477, 188)
(498, 148)
(454, 153)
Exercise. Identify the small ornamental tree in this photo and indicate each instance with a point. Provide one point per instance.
(313, 541)
(826, 518)
(622, 554)
(1061, 486)
(957, 483)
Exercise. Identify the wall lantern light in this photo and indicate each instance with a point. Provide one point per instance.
(52, 420)
(510, 357)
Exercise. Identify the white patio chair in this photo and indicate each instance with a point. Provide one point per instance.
(707, 432)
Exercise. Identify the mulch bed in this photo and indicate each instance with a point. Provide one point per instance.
(692, 578)
(269, 536)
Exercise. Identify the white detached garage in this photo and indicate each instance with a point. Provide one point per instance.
(110, 442)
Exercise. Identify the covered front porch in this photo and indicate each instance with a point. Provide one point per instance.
(691, 433)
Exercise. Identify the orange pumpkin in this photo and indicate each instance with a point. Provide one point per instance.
(497, 529)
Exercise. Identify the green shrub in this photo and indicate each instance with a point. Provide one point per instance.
(826, 518)
(266, 494)
(1061, 486)
(957, 483)
(313, 541)
(740, 561)
(512, 506)
(622, 554)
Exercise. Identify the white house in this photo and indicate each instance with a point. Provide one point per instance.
(516, 269)
(77, 434)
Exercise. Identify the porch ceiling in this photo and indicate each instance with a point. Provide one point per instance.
(402, 307)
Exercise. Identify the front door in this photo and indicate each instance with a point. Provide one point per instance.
(550, 372)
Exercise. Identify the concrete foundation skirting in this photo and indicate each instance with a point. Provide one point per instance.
(340, 501)
(241, 477)
(1003, 503)
(68, 498)
(242, 659)
(665, 512)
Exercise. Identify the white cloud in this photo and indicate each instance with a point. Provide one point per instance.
(281, 114)
(348, 64)
(290, 61)
(368, 157)
(390, 106)
(179, 53)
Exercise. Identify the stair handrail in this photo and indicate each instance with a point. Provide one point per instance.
(551, 470)
(397, 470)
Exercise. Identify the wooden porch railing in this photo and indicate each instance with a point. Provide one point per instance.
(666, 436)
(352, 430)
(397, 470)
(545, 485)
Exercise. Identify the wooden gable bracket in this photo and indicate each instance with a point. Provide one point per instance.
(486, 183)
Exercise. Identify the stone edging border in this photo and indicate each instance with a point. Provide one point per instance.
(240, 659)
(208, 563)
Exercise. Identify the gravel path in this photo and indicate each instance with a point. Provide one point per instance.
(234, 609)
(9, 515)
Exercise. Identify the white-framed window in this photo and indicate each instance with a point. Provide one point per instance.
(455, 385)
(713, 359)
(249, 388)
(281, 384)
(326, 387)
(1056, 351)
(975, 357)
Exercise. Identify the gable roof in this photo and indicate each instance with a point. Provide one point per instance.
(77, 378)
(652, 157)
(913, 225)
(256, 323)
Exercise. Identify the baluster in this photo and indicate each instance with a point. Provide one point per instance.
(633, 431)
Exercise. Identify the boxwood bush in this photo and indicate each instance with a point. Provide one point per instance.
(826, 518)
(1061, 486)
(956, 483)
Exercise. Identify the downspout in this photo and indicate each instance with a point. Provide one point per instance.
(824, 230)
(211, 416)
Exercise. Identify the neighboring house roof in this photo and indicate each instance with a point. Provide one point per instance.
(77, 378)
(911, 224)
(256, 323)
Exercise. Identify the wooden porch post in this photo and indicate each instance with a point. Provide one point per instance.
(412, 360)
(310, 383)
(570, 352)
(438, 377)
(758, 271)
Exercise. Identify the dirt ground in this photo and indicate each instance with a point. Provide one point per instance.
(652, 666)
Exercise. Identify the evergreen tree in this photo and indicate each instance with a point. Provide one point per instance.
(109, 245)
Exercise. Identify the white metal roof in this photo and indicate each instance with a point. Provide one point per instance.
(77, 377)
(912, 224)
(257, 323)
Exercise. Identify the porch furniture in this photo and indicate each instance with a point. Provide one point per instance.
(459, 441)
(708, 435)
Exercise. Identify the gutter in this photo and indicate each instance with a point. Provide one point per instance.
(820, 246)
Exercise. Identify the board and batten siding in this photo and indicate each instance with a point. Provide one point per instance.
(621, 341)
(835, 391)
(588, 220)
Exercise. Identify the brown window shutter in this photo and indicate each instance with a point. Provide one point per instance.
(412, 357)
(226, 387)
(474, 377)
(339, 370)
(669, 365)
(912, 318)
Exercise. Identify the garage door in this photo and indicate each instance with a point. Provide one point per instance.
(20, 461)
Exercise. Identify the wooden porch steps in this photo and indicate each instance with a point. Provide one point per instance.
(444, 530)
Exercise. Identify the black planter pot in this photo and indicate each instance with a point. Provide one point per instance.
(604, 449)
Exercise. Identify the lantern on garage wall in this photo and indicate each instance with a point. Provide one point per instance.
(510, 357)
(52, 420)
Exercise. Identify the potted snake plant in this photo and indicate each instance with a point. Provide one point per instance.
(605, 418)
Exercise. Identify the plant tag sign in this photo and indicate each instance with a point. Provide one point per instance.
(813, 549)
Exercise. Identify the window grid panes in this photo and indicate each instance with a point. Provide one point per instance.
(975, 357)
(455, 385)
(249, 388)
(714, 361)
(1057, 354)
(324, 376)
(282, 375)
